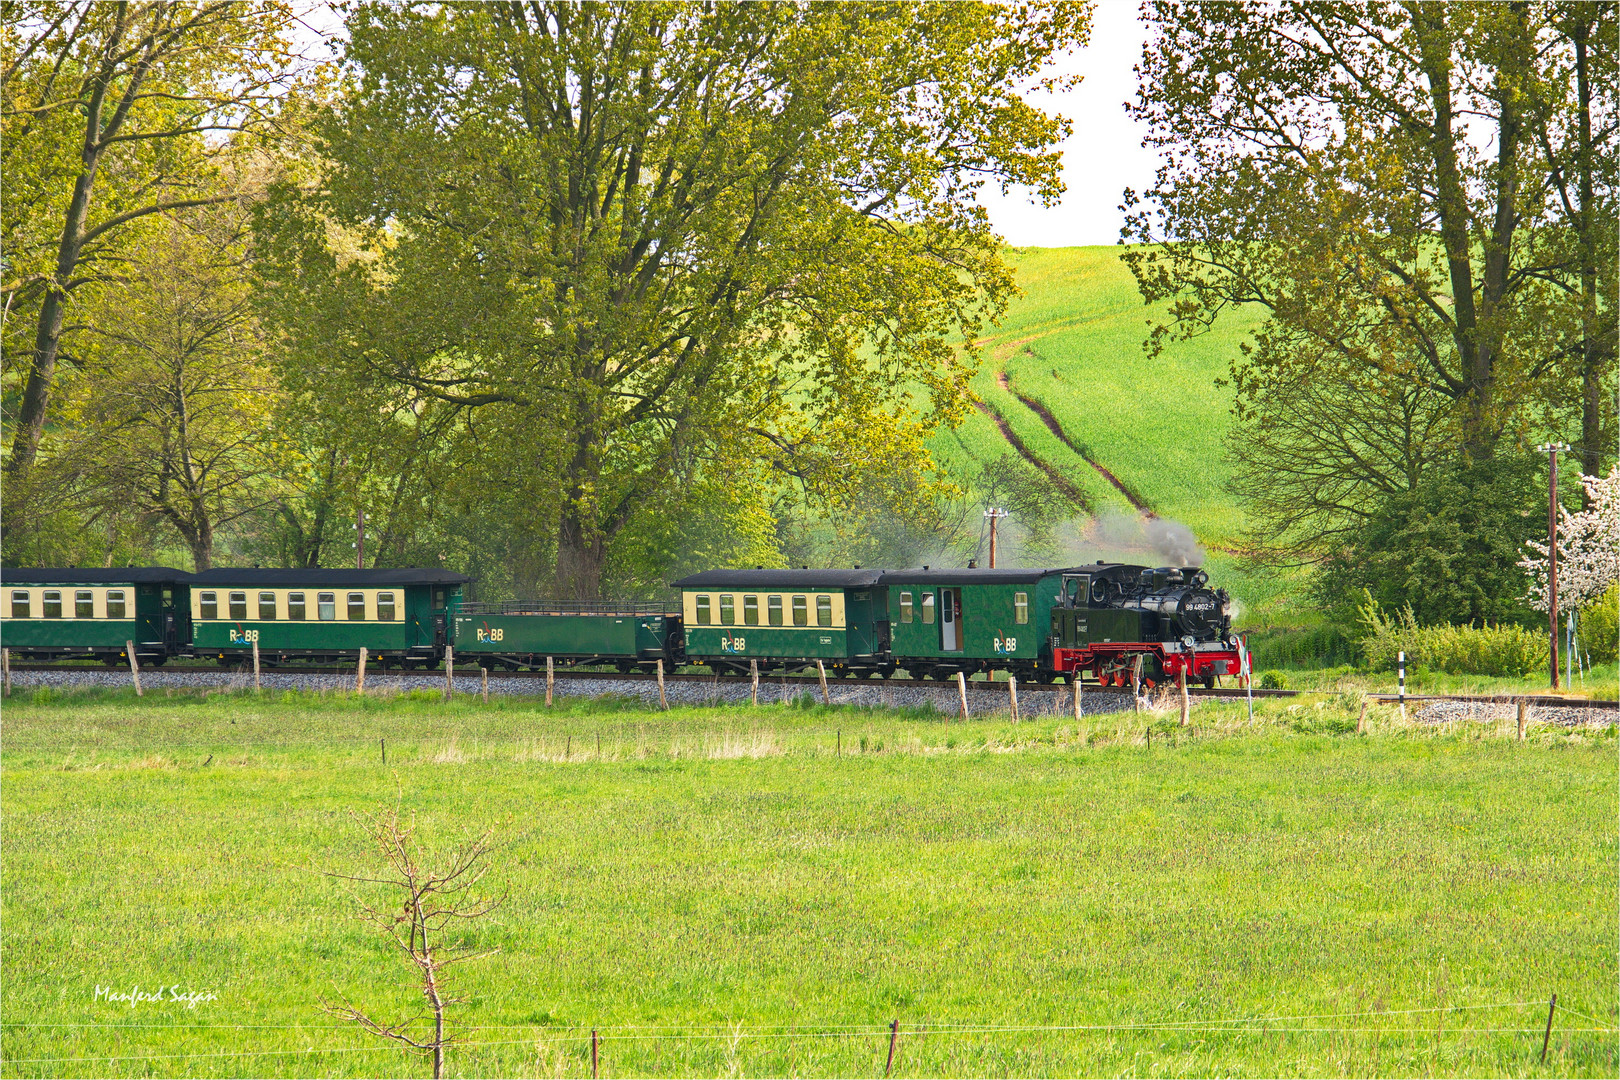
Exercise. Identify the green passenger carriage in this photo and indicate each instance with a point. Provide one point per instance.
(787, 620)
(396, 615)
(971, 620)
(63, 613)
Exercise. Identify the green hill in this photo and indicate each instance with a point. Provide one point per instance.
(1067, 386)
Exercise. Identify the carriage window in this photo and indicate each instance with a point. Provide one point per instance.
(84, 604)
(728, 609)
(19, 604)
(928, 607)
(238, 605)
(774, 605)
(1021, 607)
(208, 605)
(823, 611)
(751, 611)
(115, 603)
(52, 604)
(385, 607)
(703, 609)
(801, 611)
(357, 607)
(905, 607)
(267, 607)
(326, 605)
(295, 606)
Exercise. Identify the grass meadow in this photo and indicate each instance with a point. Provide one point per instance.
(742, 891)
(1073, 342)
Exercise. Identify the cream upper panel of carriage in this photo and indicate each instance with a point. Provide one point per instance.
(297, 605)
(67, 602)
(785, 609)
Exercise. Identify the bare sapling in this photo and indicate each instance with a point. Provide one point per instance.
(419, 913)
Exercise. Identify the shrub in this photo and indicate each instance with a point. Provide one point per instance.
(1510, 651)
(1273, 680)
(1323, 646)
(1600, 626)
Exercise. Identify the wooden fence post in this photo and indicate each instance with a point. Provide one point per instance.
(1361, 721)
(5, 670)
(549, 676)
(1186, 703)
(753, 672)
(663, 702)
(449, 671)
(484, 673)
(134, 668)
(360, 672)
(1074, 688)
(961, 691)
(826, 695)
(1136, 683)
(256, 664)
(1524, 712)
(593, 1054)
(1547, 1038)
(894, 1036)
(1012, 694)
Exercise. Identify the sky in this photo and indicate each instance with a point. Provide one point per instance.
(1102, 157)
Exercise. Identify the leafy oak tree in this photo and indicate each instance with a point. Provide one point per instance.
(107, 112)
(637, 249)
(1422, 196)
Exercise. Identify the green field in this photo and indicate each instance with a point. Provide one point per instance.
(722, 892)
(1073, 344)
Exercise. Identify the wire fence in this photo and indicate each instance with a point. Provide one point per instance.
(1279, 1024)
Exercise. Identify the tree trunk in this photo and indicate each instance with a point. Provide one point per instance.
(580, 556)
(1593, 354)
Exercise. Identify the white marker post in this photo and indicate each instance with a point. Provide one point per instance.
(449, 671)
(1246, 664)
(1075, 688)
(256, 664)
(360, 672)
(1401, 669)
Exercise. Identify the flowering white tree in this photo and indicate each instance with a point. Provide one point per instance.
(1588, 548)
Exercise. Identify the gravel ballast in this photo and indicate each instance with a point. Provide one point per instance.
(982, 698)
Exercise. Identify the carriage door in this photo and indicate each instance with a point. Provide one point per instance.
(950, 606)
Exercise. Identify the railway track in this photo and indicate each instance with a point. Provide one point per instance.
(563, 674)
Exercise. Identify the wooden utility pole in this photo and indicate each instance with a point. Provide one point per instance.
(1551, 450)
(995, 514)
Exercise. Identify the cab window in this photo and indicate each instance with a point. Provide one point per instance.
(774, 607)
(115, 603)
(84, 604)
(1021, 607)
(905, 607)
(267, 607)
(19, 604)
(326, 606)
(703, 609)
(728, 609)
(357, 607)
(750, 610)
(801, 611)
(295, 606)
(823, 611)
(208, 605)
(52, 604)
(928, 607)
(238, 605)
(385, 607)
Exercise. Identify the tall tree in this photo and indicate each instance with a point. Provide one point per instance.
(107, 109)
(1395, 183)
(635, 244)
(172, 417)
